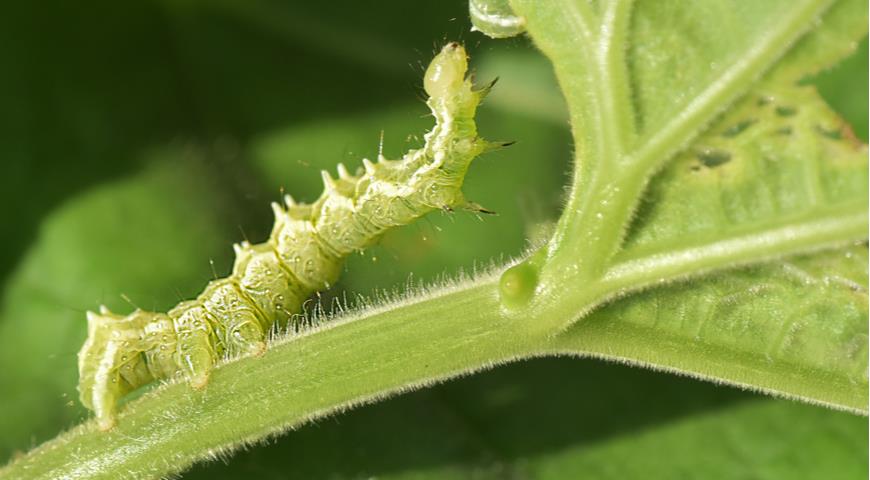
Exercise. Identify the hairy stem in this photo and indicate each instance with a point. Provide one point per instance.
(414, 343)
(350, 362)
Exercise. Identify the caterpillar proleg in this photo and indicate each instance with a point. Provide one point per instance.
(303, 254)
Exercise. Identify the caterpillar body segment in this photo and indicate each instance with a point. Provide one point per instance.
(304, 254)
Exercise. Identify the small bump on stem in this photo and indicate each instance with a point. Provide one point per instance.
(517, 285)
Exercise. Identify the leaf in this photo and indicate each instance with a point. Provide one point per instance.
(775, 172)
(778, 157)
(796, 327)
(643, 80)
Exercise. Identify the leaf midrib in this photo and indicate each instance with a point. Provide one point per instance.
(809, 231)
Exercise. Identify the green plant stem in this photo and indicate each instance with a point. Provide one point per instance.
(418, 342)
(350, 362)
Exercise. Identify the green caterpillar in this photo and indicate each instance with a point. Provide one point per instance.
(303, 254)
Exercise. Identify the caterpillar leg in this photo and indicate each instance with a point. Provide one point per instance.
(194, 353)
(246, 338)
(241, 332)
(263, 279)
(110, 364)
(108, 385)
(237, 322)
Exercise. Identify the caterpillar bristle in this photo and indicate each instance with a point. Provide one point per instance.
(489, 146)
(486, 211)
(277, 210)
(477, 208)
(328, 182)
(342, 172)
(483, 91)
(369, 167)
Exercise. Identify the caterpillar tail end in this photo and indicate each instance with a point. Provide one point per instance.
(100, 385)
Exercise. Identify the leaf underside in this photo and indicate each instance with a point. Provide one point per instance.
(757, 151)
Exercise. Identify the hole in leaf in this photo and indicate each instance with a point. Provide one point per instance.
(713, 157)
(832, 133)
(737, 128)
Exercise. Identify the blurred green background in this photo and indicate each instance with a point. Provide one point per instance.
(139, 140)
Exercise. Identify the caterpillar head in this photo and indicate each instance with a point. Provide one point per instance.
(446, 73)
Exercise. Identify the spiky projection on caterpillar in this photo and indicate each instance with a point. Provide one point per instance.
(304, 254)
